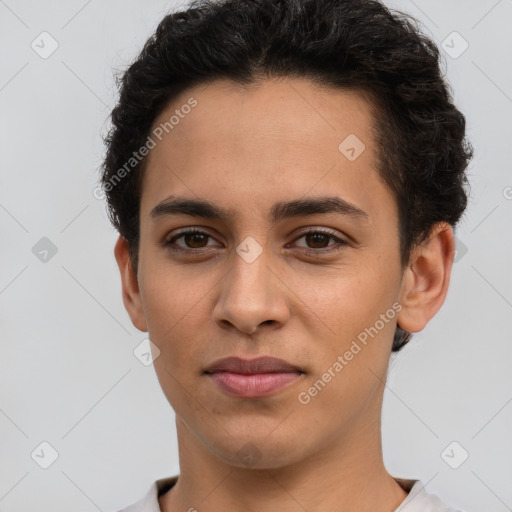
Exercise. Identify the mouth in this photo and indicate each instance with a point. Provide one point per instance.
(252, 378)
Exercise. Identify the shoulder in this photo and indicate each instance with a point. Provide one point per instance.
(149, 503)
(419, 499)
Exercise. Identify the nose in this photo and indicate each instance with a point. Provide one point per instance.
(252, 294)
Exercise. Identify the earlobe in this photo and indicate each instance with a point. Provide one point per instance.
(130, 287)
(426, 278)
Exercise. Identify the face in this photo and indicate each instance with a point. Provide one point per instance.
(301, 282)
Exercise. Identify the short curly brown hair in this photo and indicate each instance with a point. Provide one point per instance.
(354, 44)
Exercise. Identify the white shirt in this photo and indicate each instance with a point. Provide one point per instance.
(418, 499)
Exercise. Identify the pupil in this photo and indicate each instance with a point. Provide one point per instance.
(317, 238)
(189, 239)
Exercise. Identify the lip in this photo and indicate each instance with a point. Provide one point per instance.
(264, 364)
(252, 378)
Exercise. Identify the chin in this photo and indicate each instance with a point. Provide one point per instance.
(258, 452)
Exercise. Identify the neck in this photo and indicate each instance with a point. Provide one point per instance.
(346, 474)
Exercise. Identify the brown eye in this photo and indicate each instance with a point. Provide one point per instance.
(317, 240)
(195, 240)
(190, 240)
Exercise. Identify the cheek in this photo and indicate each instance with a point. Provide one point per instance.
(174, 303)
(169, 291)
(350, 360)
(348, 299)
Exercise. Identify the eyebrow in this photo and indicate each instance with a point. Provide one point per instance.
(282, 210)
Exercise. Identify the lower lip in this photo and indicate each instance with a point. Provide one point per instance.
(258, 384)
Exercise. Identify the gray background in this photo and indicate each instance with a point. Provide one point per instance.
(67, 368)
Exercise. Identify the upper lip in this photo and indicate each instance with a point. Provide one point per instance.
(262, 364)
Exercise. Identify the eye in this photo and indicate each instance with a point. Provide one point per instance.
(193, 239)
(317, 241)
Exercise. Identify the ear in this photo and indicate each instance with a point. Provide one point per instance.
(131, 294)
(426, 278)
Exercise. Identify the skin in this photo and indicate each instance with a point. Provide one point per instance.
(244, 149)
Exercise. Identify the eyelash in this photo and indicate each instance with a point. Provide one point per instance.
(315, 252)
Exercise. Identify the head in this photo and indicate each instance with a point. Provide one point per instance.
(256, 122)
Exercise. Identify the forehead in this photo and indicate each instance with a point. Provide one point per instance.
(248, 145)
(290, 109)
